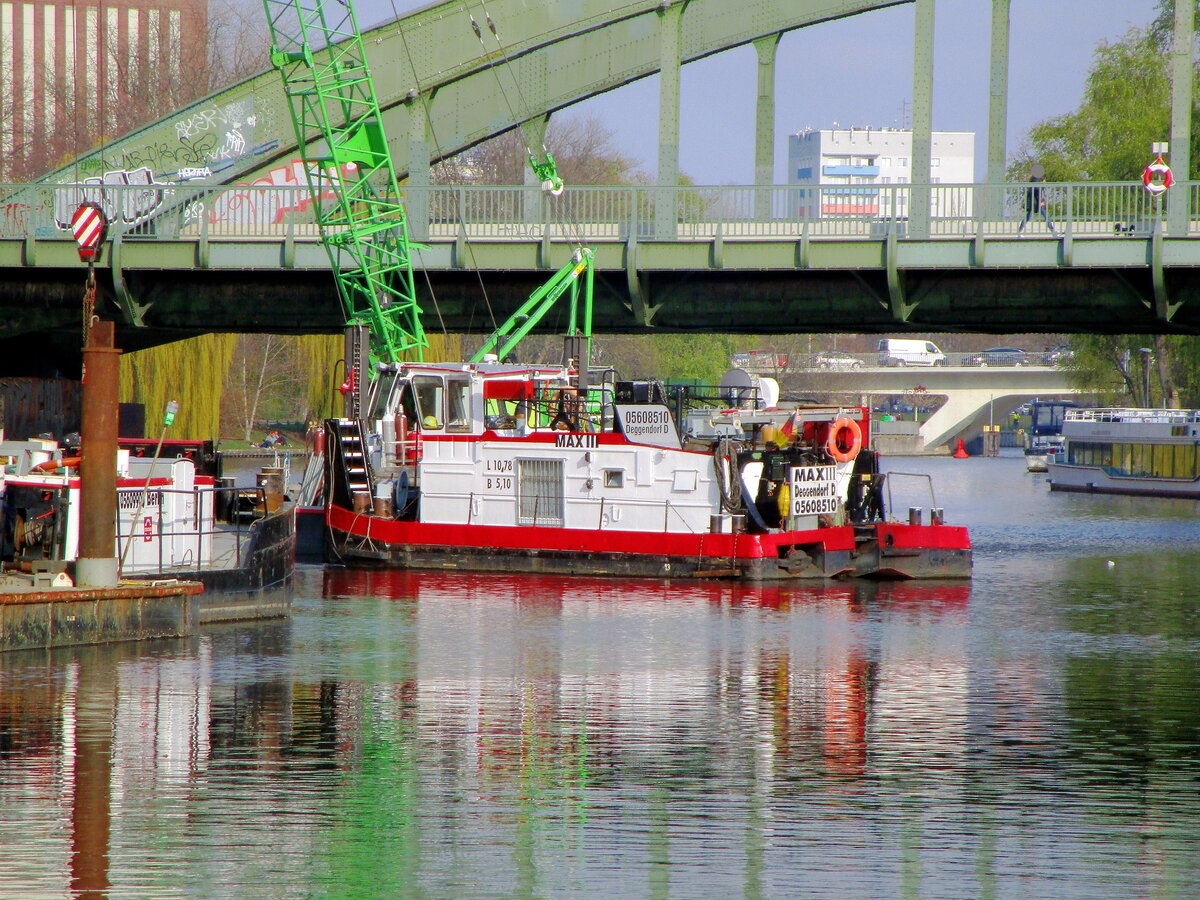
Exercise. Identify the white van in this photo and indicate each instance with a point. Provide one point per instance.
(902, 352)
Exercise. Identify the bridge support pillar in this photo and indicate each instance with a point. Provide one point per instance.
(670, 27)
(418, 169)
(997, 114)
(764, 125)
(922, 120)
(1178, 212)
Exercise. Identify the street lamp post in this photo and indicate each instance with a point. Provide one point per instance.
(1146, 355)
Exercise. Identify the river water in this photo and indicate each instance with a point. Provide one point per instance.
(1033, 733)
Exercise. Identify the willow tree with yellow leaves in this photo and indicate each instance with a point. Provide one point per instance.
(190, 371)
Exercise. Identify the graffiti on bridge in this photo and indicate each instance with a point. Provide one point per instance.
(117, 195)
(245, 205)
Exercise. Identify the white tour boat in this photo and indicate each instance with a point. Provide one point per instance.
(1129, 451)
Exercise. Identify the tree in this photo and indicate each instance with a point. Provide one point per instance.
(191, 372)
(263, 383)
(1162, 28)
(144, 69)
(583, 150)
(239, 42)
(1125, 108)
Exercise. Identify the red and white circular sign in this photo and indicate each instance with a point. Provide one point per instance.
(88, 227)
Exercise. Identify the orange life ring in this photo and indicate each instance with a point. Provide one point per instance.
(1160, 168)
(834, 448)
(50, 465)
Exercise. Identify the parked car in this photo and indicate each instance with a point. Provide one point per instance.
(1002, 356)
(835, 359)
(999, 356)
(1058, 355)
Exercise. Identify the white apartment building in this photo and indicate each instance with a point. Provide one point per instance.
(857, 170)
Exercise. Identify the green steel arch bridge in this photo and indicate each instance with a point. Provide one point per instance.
(212, 228)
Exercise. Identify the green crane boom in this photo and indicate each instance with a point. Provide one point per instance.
(317, 47)
(521, 322)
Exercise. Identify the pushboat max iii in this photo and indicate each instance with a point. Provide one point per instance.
(508, 467)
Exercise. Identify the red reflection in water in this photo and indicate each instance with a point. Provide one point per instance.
(411, 584)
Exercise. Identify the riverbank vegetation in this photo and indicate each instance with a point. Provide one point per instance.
(1125, 108)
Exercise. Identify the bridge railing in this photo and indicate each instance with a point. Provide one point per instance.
(193, 211)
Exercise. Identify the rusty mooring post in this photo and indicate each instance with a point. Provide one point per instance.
(97, 564)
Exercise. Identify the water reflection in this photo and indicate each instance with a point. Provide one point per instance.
(449, 734)
(512, 667)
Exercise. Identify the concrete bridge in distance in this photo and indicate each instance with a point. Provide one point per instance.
(975, 396)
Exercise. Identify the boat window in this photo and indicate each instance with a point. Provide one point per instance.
(540, 492)
(429, 400)
(1183, 461)
(1138, 464)
(408, 405)
(458, 405)
(1123, 458)
(381, 392)
(614, 478)
(1162, 461)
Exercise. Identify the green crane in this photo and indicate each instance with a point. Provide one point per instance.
(504, 339)
(317, 47)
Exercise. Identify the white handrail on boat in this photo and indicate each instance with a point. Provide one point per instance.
(1136, 416)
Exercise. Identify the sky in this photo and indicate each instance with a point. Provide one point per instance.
(858, 72)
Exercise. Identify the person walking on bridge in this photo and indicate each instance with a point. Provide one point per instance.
(1035, 200)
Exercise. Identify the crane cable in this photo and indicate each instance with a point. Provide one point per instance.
(571, 226)
(457, 206)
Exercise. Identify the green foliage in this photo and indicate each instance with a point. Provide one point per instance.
(1184, 356)
(1098, 366)
(1125, 108)
(669, 357)
(317, 359)
(1113, 368)
(191, 372)
(1164, 23)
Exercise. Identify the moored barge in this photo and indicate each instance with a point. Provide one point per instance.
(509, 467)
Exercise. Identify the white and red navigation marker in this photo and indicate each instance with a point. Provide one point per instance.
(88, 225)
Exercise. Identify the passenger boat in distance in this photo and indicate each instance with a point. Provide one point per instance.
(1044, 437)
(1129, 451)
(528, 468)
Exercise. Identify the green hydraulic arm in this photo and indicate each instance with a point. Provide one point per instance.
(317, 47)
(521, 322)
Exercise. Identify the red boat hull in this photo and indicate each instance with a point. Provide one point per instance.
(883, 550)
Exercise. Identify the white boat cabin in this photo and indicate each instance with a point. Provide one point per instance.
(512, 445)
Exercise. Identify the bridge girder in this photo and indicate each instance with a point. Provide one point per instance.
(432, 56)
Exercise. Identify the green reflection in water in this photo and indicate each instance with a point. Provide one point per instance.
(1131, 679)
(1131, 685)
(375, 849)
(378, 846)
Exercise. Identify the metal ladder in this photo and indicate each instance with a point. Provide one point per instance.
(353, 449)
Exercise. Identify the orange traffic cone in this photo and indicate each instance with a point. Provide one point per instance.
(960, 452)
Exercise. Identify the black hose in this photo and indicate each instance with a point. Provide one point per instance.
(725, 471)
